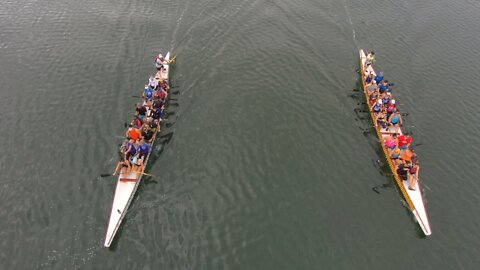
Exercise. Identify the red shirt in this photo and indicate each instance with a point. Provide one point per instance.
(404, 140)
(161, 94)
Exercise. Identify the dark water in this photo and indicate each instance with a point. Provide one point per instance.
(267, 166)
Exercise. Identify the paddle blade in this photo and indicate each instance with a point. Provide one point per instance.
(105, 175)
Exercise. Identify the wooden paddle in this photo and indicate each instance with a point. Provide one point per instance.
(146, 174)
(109, 174)
(142, 97)
(172, 60)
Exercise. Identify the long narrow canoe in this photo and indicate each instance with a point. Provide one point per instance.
(413, 198)
(128, 183)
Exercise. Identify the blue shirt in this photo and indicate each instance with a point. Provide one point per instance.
(132, 150)
(395, 119)
(144, 148)
(378, 79)
(148, 92)
(382, 87)
(159, 112)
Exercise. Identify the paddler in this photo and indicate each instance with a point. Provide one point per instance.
(381, 118)
(378, 78)
(147, 133)
(407, 155)
(369, 78)
(402, 171)
(395, 156)
(137, 164)
(130, 152)
(143, 149)
(382, 87)
(132, 133)
(395, 120)
(141, 111)
(404, 141)
(152, 82)
(159, 62)
(413, 176)
(391, 107)
(122, 165)
(370, 58)
(391, 143)
(378, 106)
(147, 93)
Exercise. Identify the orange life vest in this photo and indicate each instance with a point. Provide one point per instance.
(133, 133)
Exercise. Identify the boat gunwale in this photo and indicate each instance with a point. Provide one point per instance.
(137, 183)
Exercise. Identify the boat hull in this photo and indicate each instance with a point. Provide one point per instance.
(413, 198)
(128, 183)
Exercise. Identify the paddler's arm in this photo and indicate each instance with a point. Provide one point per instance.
(116, 169)
(390, 118)
(416, 173)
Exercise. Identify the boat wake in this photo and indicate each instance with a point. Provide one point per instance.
(354, 36)
(179, 21)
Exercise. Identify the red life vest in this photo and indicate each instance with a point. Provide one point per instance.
(390, 108)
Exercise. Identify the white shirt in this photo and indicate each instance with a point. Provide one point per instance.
(152, 82)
